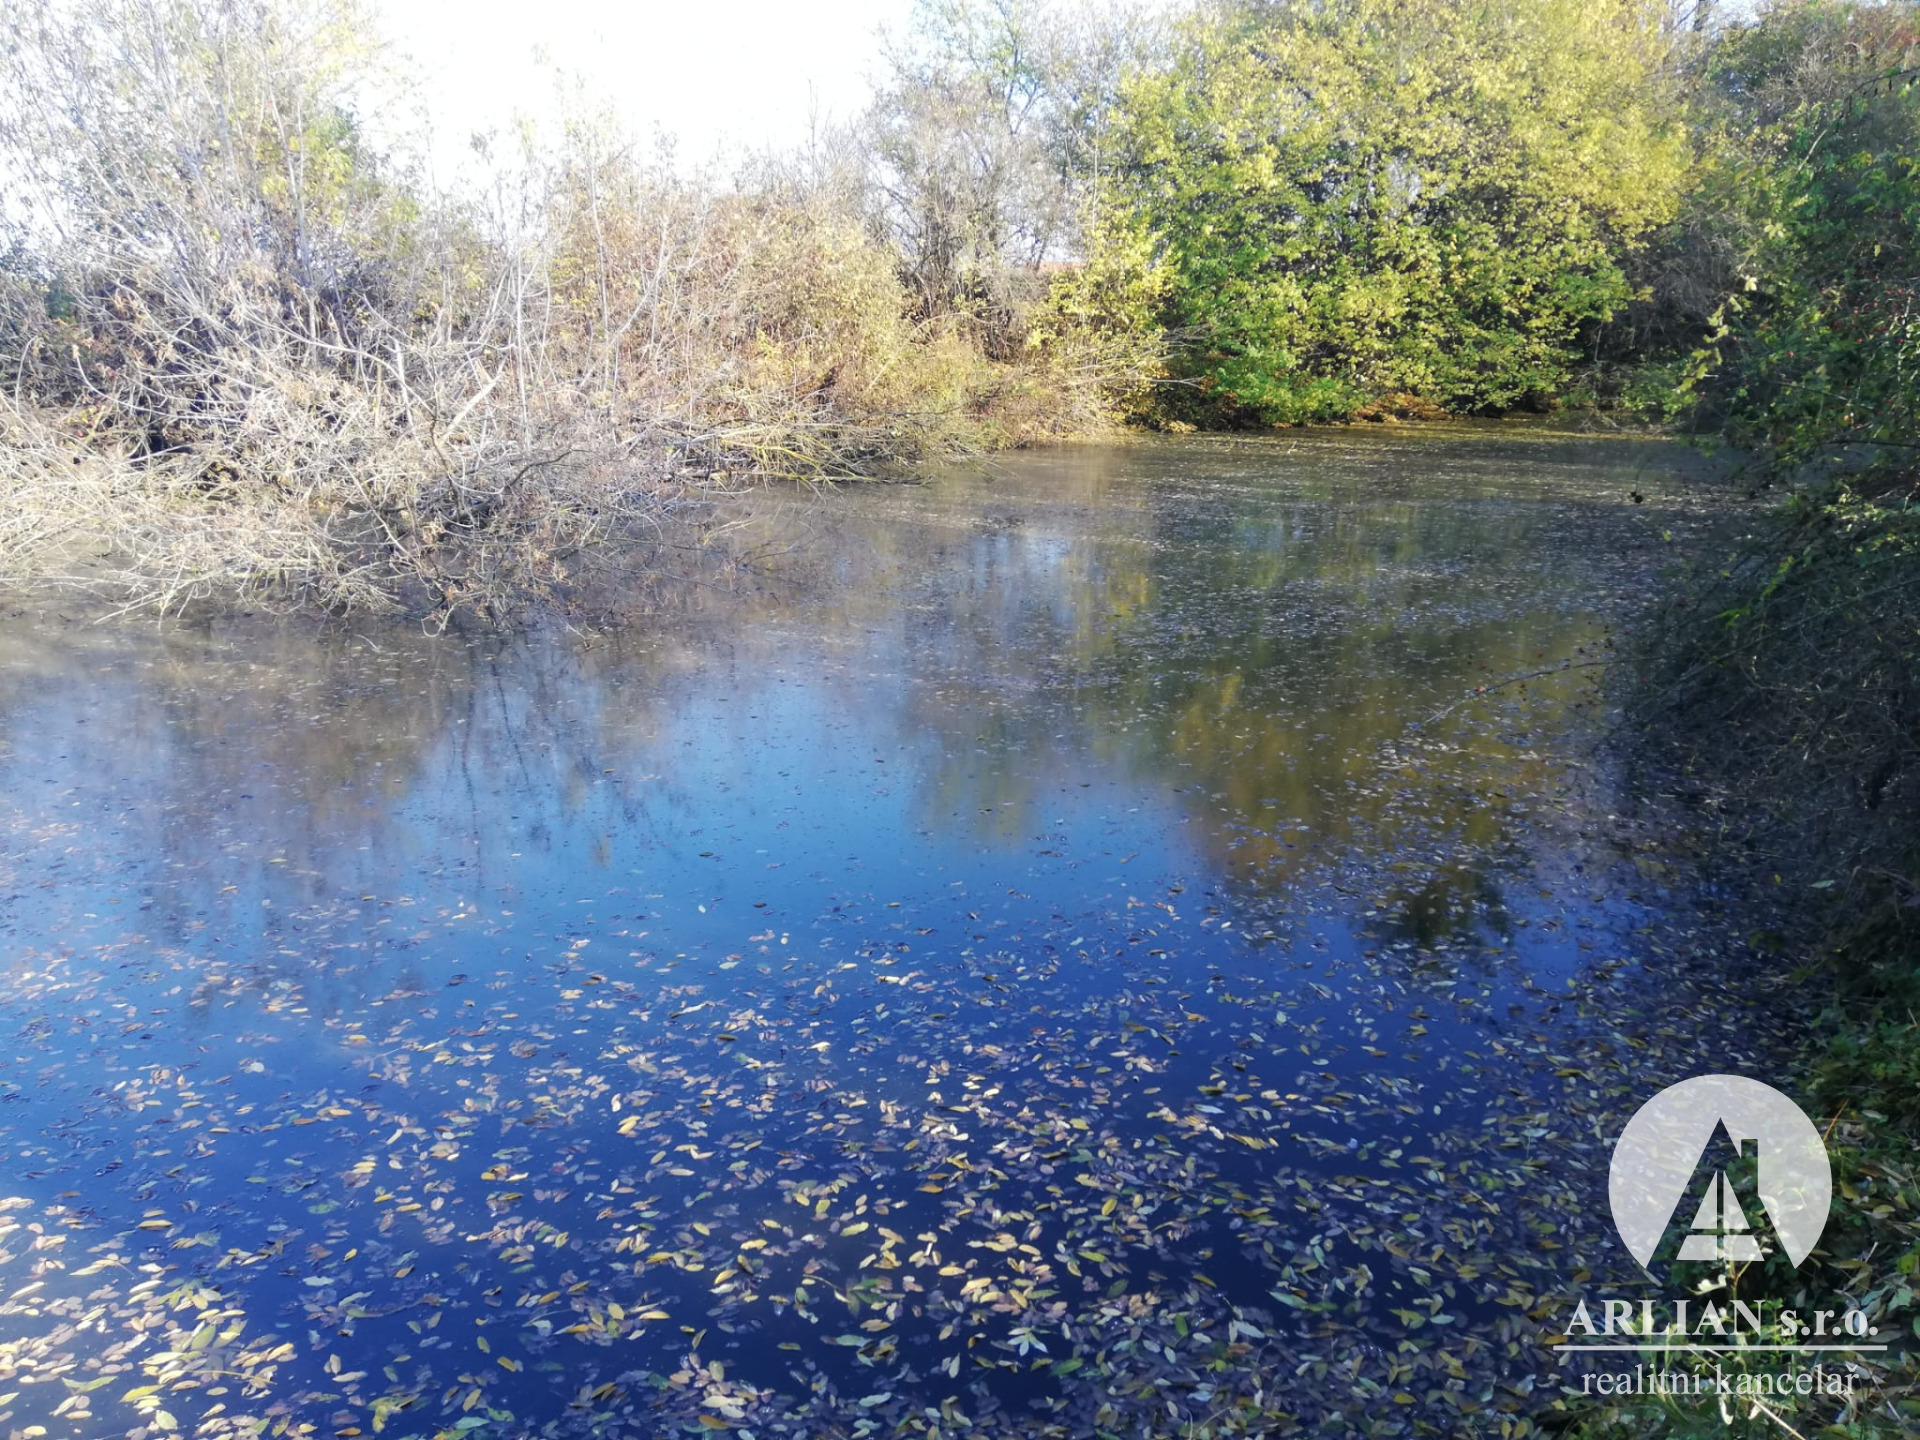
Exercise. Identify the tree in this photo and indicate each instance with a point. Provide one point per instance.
(1815, 199)
(987, 143)
(1374, 196)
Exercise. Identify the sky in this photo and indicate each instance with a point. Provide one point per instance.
(718, 74)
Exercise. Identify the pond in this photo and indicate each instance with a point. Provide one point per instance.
(1103, 940)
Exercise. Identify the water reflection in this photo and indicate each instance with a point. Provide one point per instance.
(1040, 922)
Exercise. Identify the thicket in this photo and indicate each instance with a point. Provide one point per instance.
(1786, 682)
(1428, 199)
(1799, 681)
(247, 350)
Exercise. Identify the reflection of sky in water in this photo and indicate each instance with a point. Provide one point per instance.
(1074, 831)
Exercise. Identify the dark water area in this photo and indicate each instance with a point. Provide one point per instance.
(1062, 948)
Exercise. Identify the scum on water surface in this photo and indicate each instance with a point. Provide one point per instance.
(1035, 966)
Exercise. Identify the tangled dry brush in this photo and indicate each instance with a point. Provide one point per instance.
(247, 353)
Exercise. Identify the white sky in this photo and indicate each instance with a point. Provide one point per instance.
(738, 74)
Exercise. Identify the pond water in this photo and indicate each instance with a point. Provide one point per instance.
(1064, 947)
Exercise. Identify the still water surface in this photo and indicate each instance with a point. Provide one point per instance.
(1061, 947)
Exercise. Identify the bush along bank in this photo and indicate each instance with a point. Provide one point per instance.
(250, 353)
(1785, 686)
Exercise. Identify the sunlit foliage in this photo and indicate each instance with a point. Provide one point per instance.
(1791, 677)
(1382, 196)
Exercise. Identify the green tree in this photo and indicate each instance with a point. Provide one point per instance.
(1369, 197)
(1799, 682)
(1815, 194)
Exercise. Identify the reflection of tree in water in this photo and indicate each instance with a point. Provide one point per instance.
(1251, 659)
(231, 724)
(269, 783)
(1248, 644)
(1259, 649)
(1458, 902)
